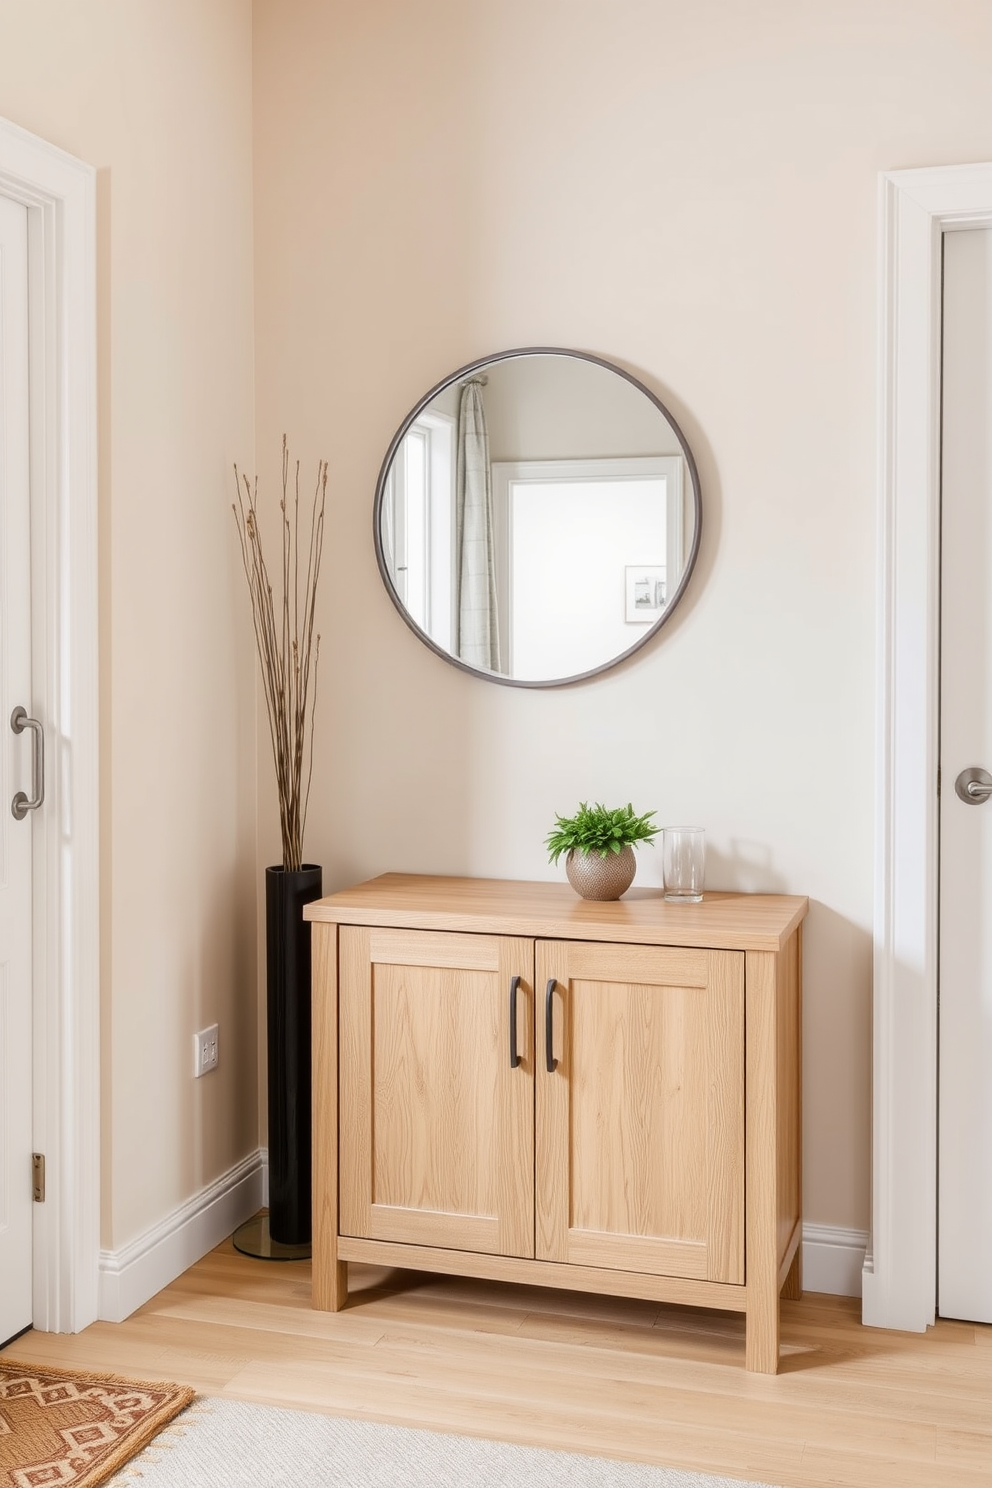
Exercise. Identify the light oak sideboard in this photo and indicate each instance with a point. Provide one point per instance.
(514, 1083)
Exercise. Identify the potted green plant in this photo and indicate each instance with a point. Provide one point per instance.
(599, 843)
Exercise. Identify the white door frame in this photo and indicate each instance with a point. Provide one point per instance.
(917, 207)
(60, 195)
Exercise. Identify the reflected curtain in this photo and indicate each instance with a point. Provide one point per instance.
(478, 632)
(388, 524)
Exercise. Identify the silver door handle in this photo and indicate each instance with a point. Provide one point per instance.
(20, 805)
(974, 785)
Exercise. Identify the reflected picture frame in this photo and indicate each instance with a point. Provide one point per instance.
(645, 592)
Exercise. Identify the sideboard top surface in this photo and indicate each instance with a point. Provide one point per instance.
(406, 901)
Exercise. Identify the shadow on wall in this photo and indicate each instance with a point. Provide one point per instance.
(746, 868)
(218, 1122)
(837, 1050)
(837, 997)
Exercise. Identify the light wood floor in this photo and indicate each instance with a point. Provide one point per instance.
(852, 1405)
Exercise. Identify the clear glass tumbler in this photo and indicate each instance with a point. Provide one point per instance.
(684, 863)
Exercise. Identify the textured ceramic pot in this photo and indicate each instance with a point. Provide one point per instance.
(601, 878)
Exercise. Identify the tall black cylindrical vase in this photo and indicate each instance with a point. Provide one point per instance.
(287, 951)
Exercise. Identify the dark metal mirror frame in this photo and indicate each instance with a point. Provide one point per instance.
(398, 437)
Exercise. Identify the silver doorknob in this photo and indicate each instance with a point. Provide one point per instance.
(974, 785)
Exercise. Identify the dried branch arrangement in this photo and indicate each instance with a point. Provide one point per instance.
(288, 649)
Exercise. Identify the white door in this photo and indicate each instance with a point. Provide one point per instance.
(16, 772)
(964, 1240)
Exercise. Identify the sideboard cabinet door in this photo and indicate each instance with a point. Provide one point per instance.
(640, 1126)
(437, 1125)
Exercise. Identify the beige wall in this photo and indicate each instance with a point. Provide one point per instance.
(562, 408)
(691, 191)
(158, 98)
(688, 190)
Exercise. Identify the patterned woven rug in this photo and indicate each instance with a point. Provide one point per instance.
(73, 1429)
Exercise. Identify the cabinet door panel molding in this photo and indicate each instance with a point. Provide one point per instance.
(640, 1140)
(437, 1140)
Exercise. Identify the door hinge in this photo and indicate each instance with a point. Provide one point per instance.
(38, 1169)
(938, 780)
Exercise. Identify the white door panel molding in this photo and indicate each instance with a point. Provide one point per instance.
(916, 209)
(16, 772)
(59, 193)
(964, 978)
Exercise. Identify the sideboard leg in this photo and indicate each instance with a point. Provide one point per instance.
(337, 1294)
(761, 1345)
(329, 1283)
(761, 1162)
(329, 1277)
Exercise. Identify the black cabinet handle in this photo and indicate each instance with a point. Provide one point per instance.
(552, 1063)
(514, 1056)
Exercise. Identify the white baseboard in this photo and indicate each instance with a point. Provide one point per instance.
(129, 1276)
(833, 1259)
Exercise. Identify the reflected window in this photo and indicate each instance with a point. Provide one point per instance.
(583, 551)
(419, 524)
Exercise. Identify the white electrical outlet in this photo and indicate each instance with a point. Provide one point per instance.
(206, 1046)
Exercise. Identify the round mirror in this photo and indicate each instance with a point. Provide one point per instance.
(537, 517)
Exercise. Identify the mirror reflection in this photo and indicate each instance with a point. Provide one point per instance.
(537, 517)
